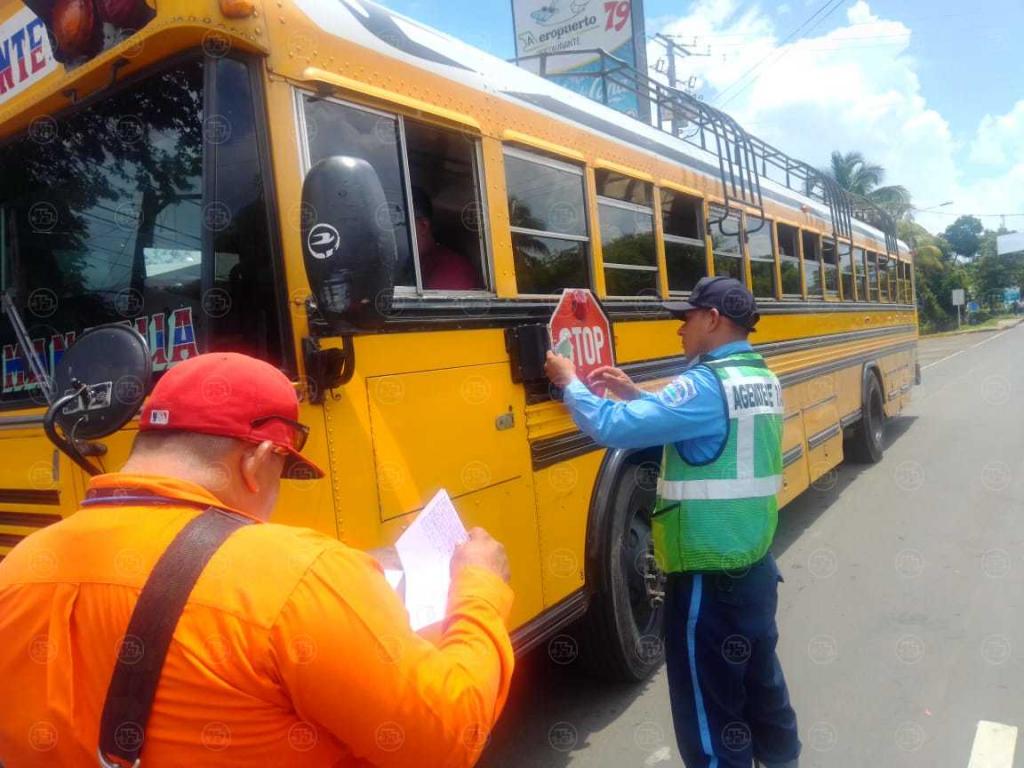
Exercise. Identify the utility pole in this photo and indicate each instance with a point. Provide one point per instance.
(673, 49)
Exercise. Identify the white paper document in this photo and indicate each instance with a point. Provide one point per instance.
(426, 548)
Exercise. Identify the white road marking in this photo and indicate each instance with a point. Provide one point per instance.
(994, 744)
(961, 351)
(986, 341)
(942, 359)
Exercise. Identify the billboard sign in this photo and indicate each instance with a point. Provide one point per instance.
(557, 28)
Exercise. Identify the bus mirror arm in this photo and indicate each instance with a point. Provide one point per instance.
(327, 369)
(70, 447)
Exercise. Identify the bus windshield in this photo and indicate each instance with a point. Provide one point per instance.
(103, 219)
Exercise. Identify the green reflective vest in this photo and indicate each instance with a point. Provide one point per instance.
(721, 515)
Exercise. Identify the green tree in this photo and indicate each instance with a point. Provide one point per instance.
(855, 174)
(936, 277)
(964, 235)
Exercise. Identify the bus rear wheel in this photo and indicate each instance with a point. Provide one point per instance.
(622, 635)
(867, 442)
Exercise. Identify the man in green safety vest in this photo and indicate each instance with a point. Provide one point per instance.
(720, 423)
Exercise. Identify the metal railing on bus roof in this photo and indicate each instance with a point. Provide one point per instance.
(743, 159)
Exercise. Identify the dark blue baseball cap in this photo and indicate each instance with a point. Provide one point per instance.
(726, 294)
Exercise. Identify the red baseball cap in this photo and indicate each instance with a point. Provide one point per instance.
(231, 395)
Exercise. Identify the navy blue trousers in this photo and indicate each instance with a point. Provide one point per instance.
(730, 704)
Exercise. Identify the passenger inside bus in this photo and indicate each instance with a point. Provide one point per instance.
(442, 268)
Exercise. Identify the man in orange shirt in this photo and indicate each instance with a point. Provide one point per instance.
(292, 649)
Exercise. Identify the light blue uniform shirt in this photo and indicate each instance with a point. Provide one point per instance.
(689, 412)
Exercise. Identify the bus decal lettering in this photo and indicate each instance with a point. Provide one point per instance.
(59, 344)
(25, 54)
(183, 333)
(18, 377)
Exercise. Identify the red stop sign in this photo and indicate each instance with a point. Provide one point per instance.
(580, 328)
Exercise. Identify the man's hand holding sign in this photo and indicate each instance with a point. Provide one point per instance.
(581, 340)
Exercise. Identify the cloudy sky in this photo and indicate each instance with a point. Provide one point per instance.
(933, 90)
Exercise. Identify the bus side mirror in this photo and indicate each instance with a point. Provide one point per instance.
(348, 243)
(100, 383)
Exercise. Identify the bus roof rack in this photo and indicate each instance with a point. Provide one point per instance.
(743, 159)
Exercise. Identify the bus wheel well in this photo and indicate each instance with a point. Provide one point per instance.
(616, 462)
(620, 636)
(872, 368)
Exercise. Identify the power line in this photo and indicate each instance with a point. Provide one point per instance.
(986, 215)
(879, 22)
(828, 7)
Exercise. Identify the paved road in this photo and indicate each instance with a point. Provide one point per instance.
(901, 612)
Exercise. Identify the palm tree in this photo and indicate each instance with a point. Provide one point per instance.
(855, 174)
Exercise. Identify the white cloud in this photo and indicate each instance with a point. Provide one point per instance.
(999, 139)
(853, 88)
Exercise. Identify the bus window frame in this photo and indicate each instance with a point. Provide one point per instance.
(820, 261)
(633, 208)
(874, 287)
(486, 244)
(864, 278)
(830, 295)
(740, 235)
(533, 155)
(768, 224)
(842, 242)
(663, 237)
(881, 258)
(798, 238)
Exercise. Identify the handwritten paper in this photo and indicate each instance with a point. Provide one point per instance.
(426, 548)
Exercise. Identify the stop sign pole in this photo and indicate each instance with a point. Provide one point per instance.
(580, 327)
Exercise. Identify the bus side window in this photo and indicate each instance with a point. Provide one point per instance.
(342, 129)
(682, 220)
(789, 260)
(812, 265)
(762, 257)
(866, 284)
(847, 270)
(724, 227)
(872, 278)
(447, 213)
(242, 308)
(626, 213)
(547, 214)
(883, 275)
(828, 251)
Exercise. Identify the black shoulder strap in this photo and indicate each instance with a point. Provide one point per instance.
(141, 655)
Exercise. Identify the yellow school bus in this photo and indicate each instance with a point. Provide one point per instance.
(157, 169)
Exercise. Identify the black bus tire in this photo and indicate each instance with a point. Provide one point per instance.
(618, 639)
(867, 443)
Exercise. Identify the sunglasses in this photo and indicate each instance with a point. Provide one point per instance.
(693, 312)
(300, 432)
